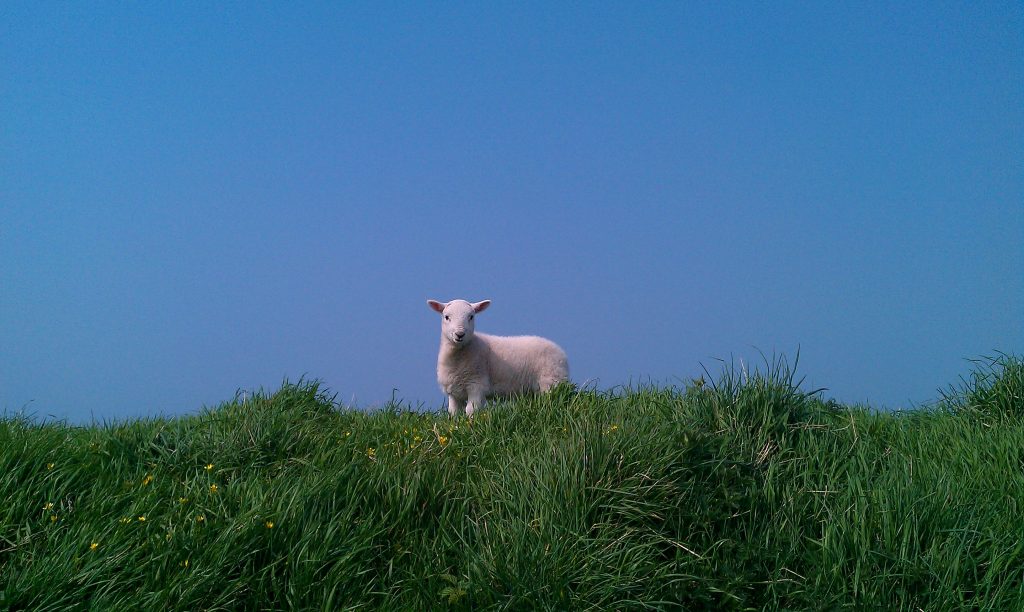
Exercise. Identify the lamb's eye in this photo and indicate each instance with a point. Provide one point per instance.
(470, 317)
(446, 318)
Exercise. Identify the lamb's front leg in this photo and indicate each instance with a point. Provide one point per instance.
(455, 406)
(476, 400)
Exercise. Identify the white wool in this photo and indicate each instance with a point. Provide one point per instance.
(472, 367)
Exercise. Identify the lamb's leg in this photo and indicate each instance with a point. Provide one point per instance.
(476, 400)
(547, 382)
(455, 406)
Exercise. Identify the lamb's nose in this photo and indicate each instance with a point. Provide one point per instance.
(460, 334)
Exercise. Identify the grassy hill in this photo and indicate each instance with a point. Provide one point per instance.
(745, 492)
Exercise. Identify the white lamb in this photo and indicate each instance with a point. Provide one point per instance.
(472, 367)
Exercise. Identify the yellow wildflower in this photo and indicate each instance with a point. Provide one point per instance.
(443, 440)
(182, 500)
(148, 479)
(371, 452)
(142, 519)
(213, 488)
(94, 546)
(49, 466)
(47, 505)
(200, 518)
(209, 466)
(184, 564)
(126, 520)
(269, 524)
(53, 518)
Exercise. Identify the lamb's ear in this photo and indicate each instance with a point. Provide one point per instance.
(481, 306)
(435, 305)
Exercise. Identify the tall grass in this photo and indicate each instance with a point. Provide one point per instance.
(745, 492)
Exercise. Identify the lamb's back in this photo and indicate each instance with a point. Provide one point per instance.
(520, 363)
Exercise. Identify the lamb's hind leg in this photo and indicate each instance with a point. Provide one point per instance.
(547, 382)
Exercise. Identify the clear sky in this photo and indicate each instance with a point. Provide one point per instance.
(202, 197)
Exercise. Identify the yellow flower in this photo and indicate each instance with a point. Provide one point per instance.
(213, 488)
(142, 519)
(126, 520)
(182, 500)
(184, 564)
(269, 524)
(53, 518)
(49, 466)
(612, 428)
(200, 518)
(47, 505)
(371, 452)
(94, 546)
(209, 466)
(443, 440)
(148, 479)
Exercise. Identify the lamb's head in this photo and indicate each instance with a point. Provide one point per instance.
(457, 319)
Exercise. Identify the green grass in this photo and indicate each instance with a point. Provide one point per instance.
(746, 492)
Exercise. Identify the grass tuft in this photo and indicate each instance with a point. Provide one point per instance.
(993, 390)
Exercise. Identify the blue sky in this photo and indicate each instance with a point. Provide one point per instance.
(197, 198)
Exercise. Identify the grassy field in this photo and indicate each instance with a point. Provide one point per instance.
(744, 492)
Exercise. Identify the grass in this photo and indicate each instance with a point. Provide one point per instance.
(742, 493)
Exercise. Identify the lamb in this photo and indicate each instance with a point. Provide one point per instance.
(472, 367)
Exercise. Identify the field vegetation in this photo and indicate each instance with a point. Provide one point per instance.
(738, 491)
